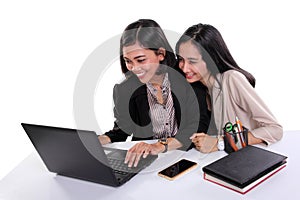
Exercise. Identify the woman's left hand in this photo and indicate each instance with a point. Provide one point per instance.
(204, 143)
(135, 153)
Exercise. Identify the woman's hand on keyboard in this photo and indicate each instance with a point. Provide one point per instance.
(142, 149)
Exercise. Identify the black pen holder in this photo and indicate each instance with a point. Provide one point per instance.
(235, 141)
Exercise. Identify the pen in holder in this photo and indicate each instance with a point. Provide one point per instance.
(234, 139)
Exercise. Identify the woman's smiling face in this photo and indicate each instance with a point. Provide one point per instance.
(142, 62)
(191, 63)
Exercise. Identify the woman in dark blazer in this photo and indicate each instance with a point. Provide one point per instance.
(155, 101)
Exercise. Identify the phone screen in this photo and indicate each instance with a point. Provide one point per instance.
(176, 169)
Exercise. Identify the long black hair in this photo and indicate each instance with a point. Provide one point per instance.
(213, 49)
(149, 35)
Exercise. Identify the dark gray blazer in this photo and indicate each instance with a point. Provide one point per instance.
(131, 110)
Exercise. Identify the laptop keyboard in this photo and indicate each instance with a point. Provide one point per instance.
(121, 168)
(116, 161)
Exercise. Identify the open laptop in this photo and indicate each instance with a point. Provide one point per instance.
(79, 154)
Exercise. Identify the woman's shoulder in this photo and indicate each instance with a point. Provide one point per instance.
(128, 82)
(232, 74)
(233, 77)
(130, 86)
(236, 82)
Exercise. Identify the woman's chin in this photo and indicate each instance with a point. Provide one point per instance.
(192, 80)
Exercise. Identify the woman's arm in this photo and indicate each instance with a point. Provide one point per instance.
(253, 140)
(121, 123)
(246, 98)
(104, 139)
(143, 149)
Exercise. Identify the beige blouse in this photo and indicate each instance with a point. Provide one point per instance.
(238, 98)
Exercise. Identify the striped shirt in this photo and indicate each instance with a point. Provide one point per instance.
(162, 115)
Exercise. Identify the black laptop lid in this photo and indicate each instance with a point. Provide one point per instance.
(70, 152)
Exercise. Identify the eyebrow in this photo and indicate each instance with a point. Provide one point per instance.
(140, 56)
(137, 57)
(188, 58)
(191, 58)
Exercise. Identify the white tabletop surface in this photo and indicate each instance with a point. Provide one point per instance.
(31, 180)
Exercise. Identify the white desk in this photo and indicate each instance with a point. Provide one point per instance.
(31, 180)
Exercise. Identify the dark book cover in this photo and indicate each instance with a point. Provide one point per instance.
(245, 166)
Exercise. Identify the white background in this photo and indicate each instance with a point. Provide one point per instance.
(44, 44)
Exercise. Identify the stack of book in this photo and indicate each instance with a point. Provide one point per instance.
(244, 169)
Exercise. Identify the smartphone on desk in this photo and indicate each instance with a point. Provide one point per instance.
(177, 169)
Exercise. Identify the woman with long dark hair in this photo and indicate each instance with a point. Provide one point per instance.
(204, 56)
(154, 102)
